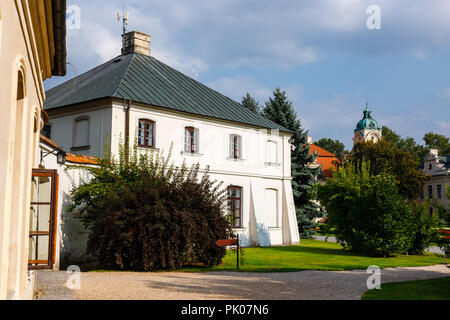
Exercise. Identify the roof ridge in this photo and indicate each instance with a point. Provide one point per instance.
(123, 75)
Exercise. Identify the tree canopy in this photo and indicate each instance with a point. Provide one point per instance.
(437, 141)
(370, 216)
(386, 157)
(250, 103)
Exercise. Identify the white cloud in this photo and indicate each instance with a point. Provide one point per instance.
(237, 87)
(444, 125)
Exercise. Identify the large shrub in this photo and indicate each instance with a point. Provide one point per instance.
(367, 212)
(144, 214)
(425, 228)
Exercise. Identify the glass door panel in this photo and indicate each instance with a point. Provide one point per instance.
(42, 219)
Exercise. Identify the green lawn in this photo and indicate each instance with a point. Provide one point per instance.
(435, 289)
(313, 255)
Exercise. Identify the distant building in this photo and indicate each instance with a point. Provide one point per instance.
(327, 161)
(367, 128)
(438, 167)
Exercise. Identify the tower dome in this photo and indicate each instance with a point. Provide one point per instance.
(367, 128)
(367, 122)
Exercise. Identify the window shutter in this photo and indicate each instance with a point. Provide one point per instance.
(238, 147)
(231, 146)
(196, 141)
(187, 139)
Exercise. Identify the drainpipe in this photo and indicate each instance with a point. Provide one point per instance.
(127, 129)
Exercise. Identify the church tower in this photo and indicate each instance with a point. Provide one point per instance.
(367, 128)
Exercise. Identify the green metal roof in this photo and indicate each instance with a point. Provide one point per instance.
(367, 121)
(144, 79)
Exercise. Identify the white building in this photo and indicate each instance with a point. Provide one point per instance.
(135, 96)
(32, 49)
(438, 168)
(367, 129)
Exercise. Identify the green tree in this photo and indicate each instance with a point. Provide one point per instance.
(386, 157)
(280, 110)
(437, 141)
(250, 103)
(406, 144)
(333, 146)
(367, 212)
(425, 228)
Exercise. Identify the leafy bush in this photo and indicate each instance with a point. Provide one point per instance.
(367, 212)
(144, 214)
(424, 227)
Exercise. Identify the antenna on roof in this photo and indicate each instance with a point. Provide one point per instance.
(124, 18)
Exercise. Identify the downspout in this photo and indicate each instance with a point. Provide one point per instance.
(127, 129)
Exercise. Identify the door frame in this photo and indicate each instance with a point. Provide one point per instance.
(47, 264)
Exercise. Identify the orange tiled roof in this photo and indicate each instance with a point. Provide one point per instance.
(81, 159)
(70, 157)
(49, 142)
(321, 152)
(326, 159)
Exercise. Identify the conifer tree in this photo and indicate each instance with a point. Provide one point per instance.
(250, 103)
(280, 110)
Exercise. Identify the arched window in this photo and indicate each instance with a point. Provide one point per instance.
(235, 147)
(81, 132)
(146, 133)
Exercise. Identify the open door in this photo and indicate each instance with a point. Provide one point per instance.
(44, 197)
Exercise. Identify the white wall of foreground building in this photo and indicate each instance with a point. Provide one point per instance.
(268, 215)
(71, 236)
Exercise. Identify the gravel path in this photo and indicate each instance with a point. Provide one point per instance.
(308, 285)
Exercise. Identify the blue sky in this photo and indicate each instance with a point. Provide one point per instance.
(320, 51)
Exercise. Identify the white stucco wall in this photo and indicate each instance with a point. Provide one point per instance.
(99, 130)
(71, 236)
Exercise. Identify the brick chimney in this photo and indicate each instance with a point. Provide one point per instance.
(135, 42)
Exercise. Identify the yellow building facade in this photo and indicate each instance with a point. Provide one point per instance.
(32, 49)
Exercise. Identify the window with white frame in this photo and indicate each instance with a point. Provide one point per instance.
(191, 140)
(271, 152)
(81, 132)
(235, 146)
